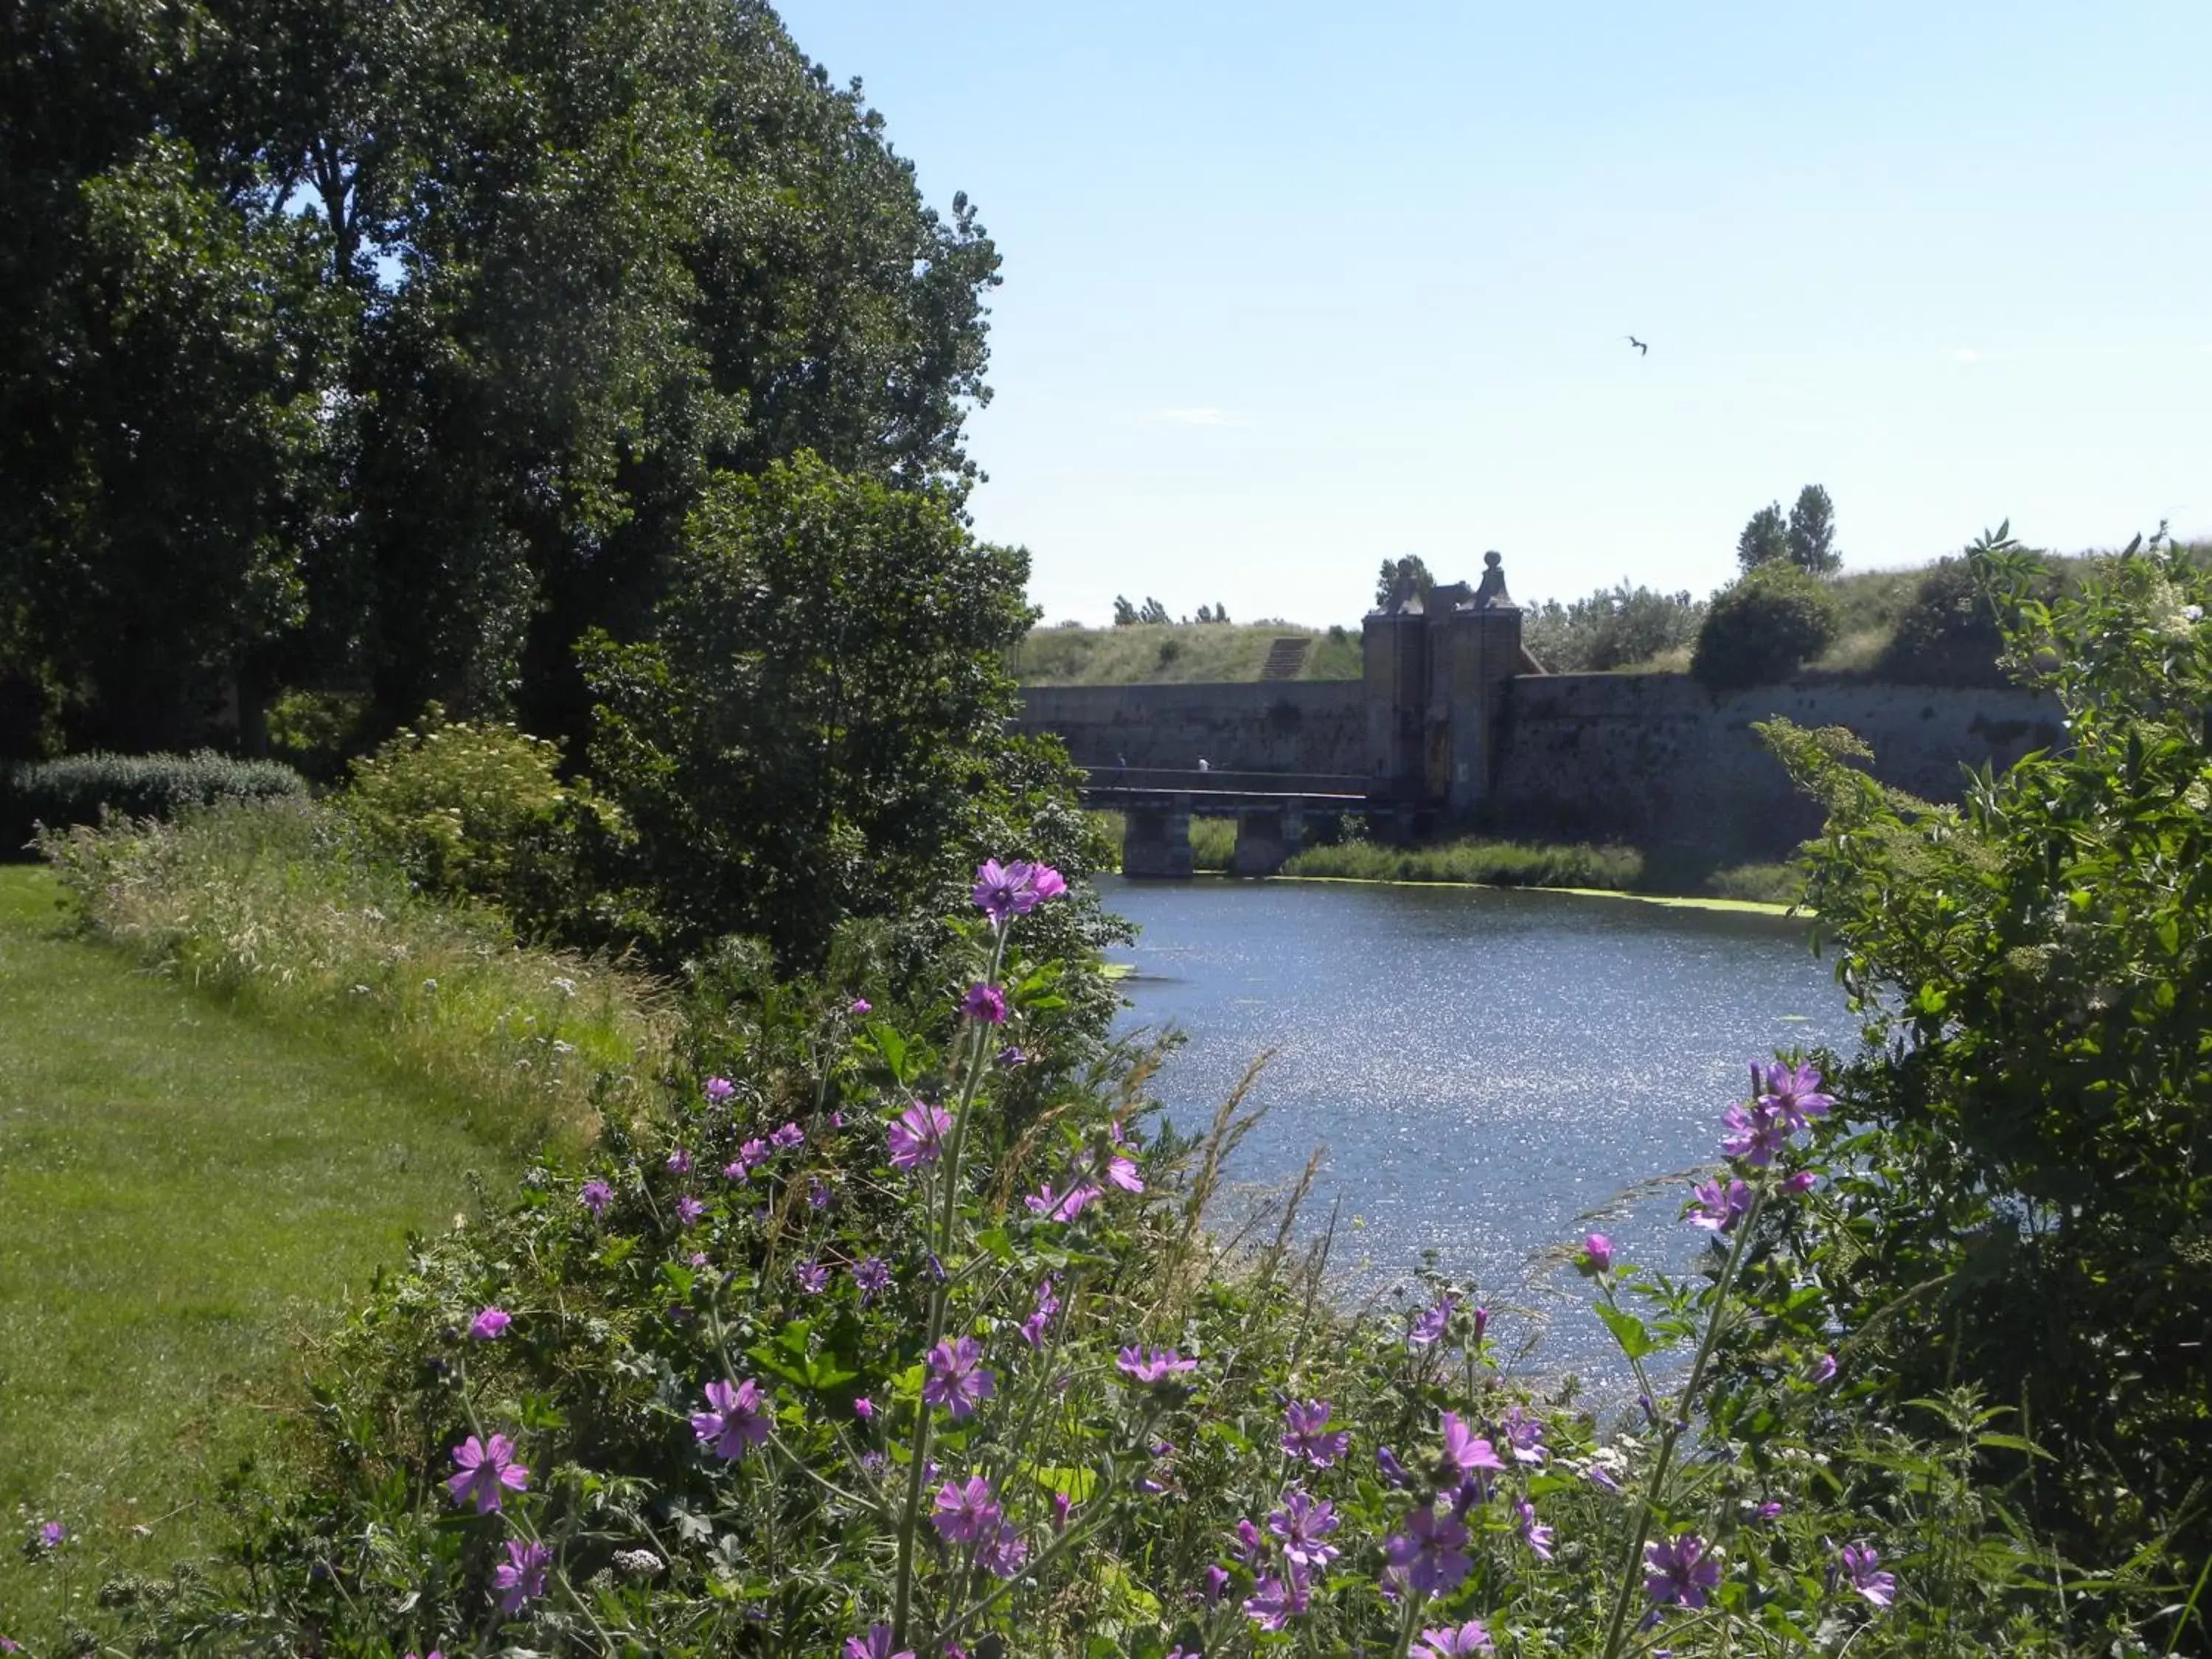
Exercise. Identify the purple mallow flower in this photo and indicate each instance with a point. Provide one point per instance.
(787, 1137)
(1391, 1471)
(1863, 1565)
(956, 1378)
(1154, 1364)
(876, 1645)
(1033, 1329)
(1523, 1431)
(1061, 1206)
(1470, 1637)
(1755, 1134)
(595, 1196)
(1005, 891)
(688, 1210)
(1429, 1325)
(966, 1511)
(1679, 1572)
(1429, 1555)
(1464, 1451)
(985, 1003)
(736, 1420)
(1275, 1601)
(1803, 1182)
(813, 1277)
(1719, 1205)
(1303, 1525)
(719, 1088)
(917, 1135)
(1215, 1582)
(53, 1534)
(1002, 1554)
(1537, 1536)
(1597, 1253)
(1010, 1057)
(1306, 1433)
(862, 1006)
(679, 1162)
(521, 1578)
(487, 1472)
(1795, 1094)
(489, 1325)
(1822, 1370)
(872, 1276)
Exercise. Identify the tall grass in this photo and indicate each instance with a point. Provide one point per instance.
(1494, 863)
(275, 907)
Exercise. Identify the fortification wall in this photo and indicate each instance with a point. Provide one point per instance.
(1655, 758)
(1291, 725)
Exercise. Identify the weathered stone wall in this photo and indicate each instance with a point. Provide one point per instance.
(1294, 725)
(1655, 758)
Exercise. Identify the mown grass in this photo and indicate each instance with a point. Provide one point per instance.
(1182, 654)
(1763, 884)
(1495, 863)
(186, 1189)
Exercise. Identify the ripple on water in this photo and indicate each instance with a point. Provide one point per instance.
(1485, 1066)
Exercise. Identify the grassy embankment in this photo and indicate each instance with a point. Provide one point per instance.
(1179, 654)
(1485, 862)
(193, 1179)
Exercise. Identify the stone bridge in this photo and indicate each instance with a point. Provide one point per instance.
(1156, 804)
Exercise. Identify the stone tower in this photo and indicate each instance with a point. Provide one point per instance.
(1435, 675)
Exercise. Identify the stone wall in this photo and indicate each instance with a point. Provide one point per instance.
(1656, 759)
(1292, 725)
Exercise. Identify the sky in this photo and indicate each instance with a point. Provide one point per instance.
(1291, 288)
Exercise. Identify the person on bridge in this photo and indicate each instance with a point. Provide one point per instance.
(1202, 766)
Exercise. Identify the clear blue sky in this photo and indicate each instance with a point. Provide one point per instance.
(1291, 286)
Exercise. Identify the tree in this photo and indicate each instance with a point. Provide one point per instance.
(1614, 628)
(1764, 540)
(816, 728)
(1125, 614)
(1812, 534)
(1407, 577)
(1153, 611)
(1764, 627)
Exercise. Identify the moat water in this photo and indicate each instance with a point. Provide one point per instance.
(1494, 1073)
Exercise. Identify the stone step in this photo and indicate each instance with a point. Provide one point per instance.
(1286, 658)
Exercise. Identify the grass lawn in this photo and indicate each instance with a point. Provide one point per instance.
(185, 1191)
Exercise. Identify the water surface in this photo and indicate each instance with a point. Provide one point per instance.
(1487, 1067)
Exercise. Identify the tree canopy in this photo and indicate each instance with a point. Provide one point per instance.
(392, 344)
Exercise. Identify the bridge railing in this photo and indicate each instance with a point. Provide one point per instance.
(1216, 781)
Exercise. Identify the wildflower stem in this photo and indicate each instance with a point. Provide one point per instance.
(1670, 1433)
(918, 1464)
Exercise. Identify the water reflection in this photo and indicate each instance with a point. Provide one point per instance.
(1485, 1066)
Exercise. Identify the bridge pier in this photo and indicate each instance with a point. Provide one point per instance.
(1155, 840)
(1267, 837)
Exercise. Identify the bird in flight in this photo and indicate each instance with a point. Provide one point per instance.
(1638, 344)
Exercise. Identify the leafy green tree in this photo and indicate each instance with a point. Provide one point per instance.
(1614, 628)
(2035, 971)
(1764, 539)
(816, 728)
(1764, 627)
(1125, 614)
(1409, 575)
(1153, 611)
(1812, 532)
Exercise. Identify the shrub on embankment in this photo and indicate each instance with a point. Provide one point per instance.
(280, 908)
(84, 788)
(1492, 863)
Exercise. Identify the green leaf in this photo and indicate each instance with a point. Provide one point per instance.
(1628, 1331)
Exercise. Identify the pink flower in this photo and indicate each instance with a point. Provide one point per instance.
(956, 1378)
(918, 1135)
(966, 1511)
(595, 1196)
(489, 1325)
(719, 1088)
(1429, 1555)
(679, 1162)
(1823, 1370)
(488, 1471)
(1470, 1637)
(1153, 1365)
(1535, 1535)
(1306, 1433)
(1597, 1254)
(985, 1004)
(862, 1006)
(521, 1578)
(1062, 1207)
(787, 1137)
(1275, 1601)
(863, 1407)
(736, 1420)
(688, 1210)
(1861, 1562)
(1464, 1452)
(876, 1645)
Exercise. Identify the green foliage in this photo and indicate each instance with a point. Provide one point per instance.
(1761, 883)
(399, 342)
(1614, 628)
(1949, 634)
(1403, 579)
(1764, 539)
(85, 788)
(1217, 652)
(481, 810)
(280, 908)
(1812, 533)
(1492, 863)
(816, 729)
(1764, 627)
(2037, 965)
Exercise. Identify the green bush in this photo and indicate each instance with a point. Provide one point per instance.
(1487, 863)
(83, 788)
(480, 811)
(2033, 1210)
(1948, 634)
(1764, 627)
(1614, 628)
